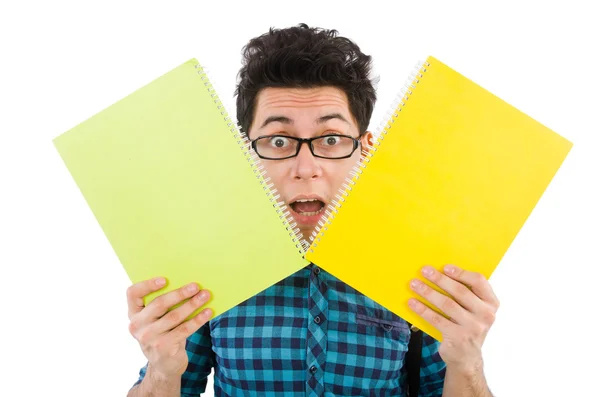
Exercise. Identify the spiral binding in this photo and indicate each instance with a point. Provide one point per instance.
(253, 159)
(389, 118)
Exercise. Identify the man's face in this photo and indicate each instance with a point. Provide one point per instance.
(307, 184)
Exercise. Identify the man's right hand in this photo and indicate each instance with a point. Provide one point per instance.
(162, 333)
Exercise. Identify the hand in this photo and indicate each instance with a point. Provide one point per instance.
(471, 310)
(162, 335)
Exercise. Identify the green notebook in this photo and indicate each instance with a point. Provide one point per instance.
(178, 192)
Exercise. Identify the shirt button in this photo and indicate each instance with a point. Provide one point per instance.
(317, 270)
(317, 319)
(313, 369)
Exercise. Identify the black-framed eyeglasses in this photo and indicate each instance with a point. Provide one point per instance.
(280, 147)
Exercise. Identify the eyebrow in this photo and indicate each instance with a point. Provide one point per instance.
(277, 119)
(287, 120)
(332, 116)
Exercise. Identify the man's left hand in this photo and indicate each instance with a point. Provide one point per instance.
(471, 311)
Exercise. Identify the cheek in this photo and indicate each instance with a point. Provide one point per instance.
(337, 171)
(276, 170)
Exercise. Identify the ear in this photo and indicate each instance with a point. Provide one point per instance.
(367, 141)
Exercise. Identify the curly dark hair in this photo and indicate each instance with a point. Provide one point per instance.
(304, 57)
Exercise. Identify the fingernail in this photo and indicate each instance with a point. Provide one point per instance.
(449, 269)
(160, 281)
(192, 287)
(414, 284)
(428, 271)
(203, 295)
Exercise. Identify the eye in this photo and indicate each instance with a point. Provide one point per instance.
(279, 142)
(331, 140)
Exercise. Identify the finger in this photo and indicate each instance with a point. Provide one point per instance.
(476, 281)
(137, 292)
(186, 329)
(159, 306)
(459, 292)
(445, 304)
(175, 317)
(438, 321)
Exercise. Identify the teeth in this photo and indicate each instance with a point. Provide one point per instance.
(312, 212)
(309, 213)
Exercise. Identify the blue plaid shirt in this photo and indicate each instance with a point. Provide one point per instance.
(308, 335)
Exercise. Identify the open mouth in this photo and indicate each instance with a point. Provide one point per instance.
(307, 207)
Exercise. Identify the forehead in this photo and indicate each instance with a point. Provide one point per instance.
(301, 100)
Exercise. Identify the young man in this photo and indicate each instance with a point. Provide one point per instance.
(305, 99)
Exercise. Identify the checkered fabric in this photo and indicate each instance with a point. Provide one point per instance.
(308, 335)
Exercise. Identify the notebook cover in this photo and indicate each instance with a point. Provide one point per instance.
(452, 182)
(175, 194)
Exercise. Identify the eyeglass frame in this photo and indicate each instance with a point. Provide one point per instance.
(356, 143)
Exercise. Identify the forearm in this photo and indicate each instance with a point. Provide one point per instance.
(460, 382)
(154, 385)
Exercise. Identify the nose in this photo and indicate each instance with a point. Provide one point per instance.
(307, 166)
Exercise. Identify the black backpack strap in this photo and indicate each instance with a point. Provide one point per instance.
(413, 360)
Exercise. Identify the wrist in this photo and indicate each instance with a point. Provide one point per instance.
(157, 384)
(156, 375)
(467, 369)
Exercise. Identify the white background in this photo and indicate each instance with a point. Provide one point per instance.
(63, 319)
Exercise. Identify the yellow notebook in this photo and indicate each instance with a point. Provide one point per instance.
(178, 192)
(453, 177)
